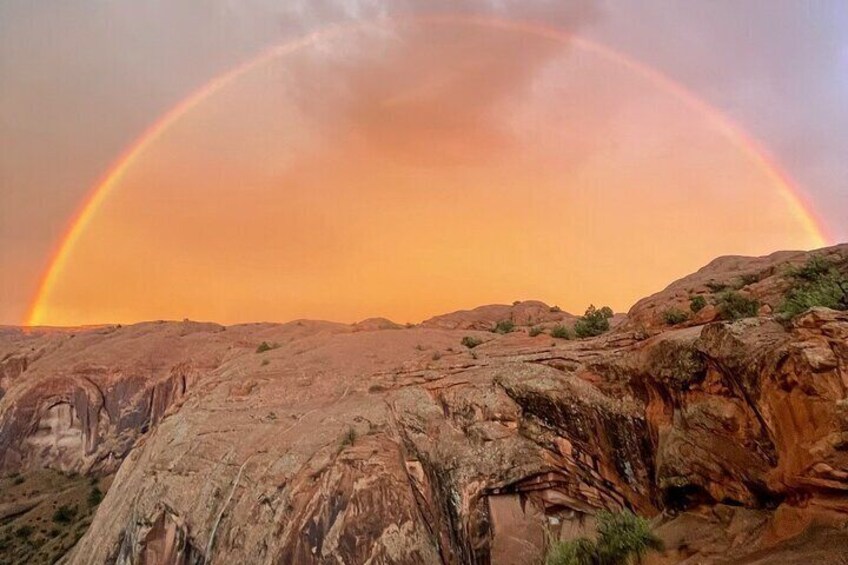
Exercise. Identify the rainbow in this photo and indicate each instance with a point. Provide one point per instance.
(793, 196)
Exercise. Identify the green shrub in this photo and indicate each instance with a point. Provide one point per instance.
(24, 532)
(580, 551)
(471, 342)
(716, 286)
(265, 346)
(814, 269)
(561, 332)
(593, 322)
(697, 303)
(622, 538)
(504, 327)
(535, 330)
(95, 495)
(817, 283)
(64, 514)
(748, 279)
(735, 306)
(674, 316)
(554, 309)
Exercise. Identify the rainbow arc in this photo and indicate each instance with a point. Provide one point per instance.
(793, 196)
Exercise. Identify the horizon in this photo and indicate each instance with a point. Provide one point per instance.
(401, 323)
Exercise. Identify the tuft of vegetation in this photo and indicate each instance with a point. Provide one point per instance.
(436, 355)
(536, 330)
(504, 327)
(348, 439)
(697, 303)
(561, 331)
(95, 496)
(674, 316)
(735, 306)
(516, 302)
(716, 286)
(816, 283)
(554, 309)
(594, 322)
(471, 342)
(65, 514)
(580, 551)
(814, 269)
(623, 538)
(265, 346)
(748, 279)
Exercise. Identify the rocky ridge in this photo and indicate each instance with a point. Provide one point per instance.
(375, 443)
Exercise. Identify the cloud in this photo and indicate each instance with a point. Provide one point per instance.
(423, 92)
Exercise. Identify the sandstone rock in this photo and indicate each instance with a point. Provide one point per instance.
(370, 444)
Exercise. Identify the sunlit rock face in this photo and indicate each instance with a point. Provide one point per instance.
(377, 443)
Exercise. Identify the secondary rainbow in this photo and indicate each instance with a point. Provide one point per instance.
(795, 199)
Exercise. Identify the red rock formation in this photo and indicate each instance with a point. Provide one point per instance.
(372, 443)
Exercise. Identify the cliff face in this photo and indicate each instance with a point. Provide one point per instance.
(373, 444)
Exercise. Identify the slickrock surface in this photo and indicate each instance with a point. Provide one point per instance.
(375, 443)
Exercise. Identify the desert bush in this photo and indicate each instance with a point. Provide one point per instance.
(471, 342)
(697, 303)
(95, 495)
(816, 283)
(622, 538)
(535, 330)
(561, 331)
(593, 322)
(64, 514)
(747, 279)
(735, 306)
(674, 316)
(716, 286)
(814, 269)
(265, 346)
(504, 327)
(349, 438)
(580, 551)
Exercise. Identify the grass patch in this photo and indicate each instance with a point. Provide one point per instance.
(536, 330)
(623, 538)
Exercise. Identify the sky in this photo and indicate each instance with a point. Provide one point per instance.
(404, 167)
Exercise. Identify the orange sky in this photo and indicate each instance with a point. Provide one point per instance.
(405, 175)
